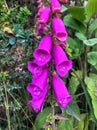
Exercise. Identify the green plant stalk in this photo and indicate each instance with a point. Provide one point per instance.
(20, 107)
(7, 107)
(53, 124)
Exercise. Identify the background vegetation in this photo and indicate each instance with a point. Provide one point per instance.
(17, 42)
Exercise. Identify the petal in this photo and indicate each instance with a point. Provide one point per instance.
(55, 5)
(42, 53)
(63, 65)
(34, 68)
(37, 104)
(44, 16)
(62, 95)
(39, 83)
(59, 29)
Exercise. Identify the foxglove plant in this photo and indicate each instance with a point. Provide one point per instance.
(55, 5)
(49, 51)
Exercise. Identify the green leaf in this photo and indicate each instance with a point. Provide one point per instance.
(93, 26)
(73, 85)
(83, 123)
(63, 9)
(65, 125)
(78, 13)
(90, 42)
(91, 83)
(91, 8)
(12, 41)
(74, 24)
(80, 36)
(92, 58)
(41, 118)
(72, 44)
(73, 110)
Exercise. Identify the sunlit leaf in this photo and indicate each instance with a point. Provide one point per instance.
(78, 13)
(91, 83)
(80, 36)
(74, 24)
(91, 8)
(90, 42)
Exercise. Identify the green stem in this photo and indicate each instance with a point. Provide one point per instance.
(7, 107)
(53, 124)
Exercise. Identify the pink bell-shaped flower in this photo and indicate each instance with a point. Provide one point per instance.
(55, 5)
(59, 29)
(44, 15)
(42, 53)
(61, 93)
(63, 65)
(37, 104)
(38, 85)
(34, 68)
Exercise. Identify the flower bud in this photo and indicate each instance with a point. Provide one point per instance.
(44, 15)
(59, 29)
(55, 5)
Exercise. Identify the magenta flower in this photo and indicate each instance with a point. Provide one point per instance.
(34, 68)
(62, 95)
(37, 104)
(55, 5)
(42, 53)
(63, 1)
(63, 65)
(44, 15)
(40, 28)
(38, 85)
(59, 29)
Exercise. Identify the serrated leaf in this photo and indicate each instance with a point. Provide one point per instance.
(41, 118)
(90, 42)
(73, 110)
(80, 36)
(74, 24)
(78, 13)
(91, 8)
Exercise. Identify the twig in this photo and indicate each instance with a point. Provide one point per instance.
(53, 124)
(6, 5)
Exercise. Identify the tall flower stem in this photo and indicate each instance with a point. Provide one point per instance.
(53, 124)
